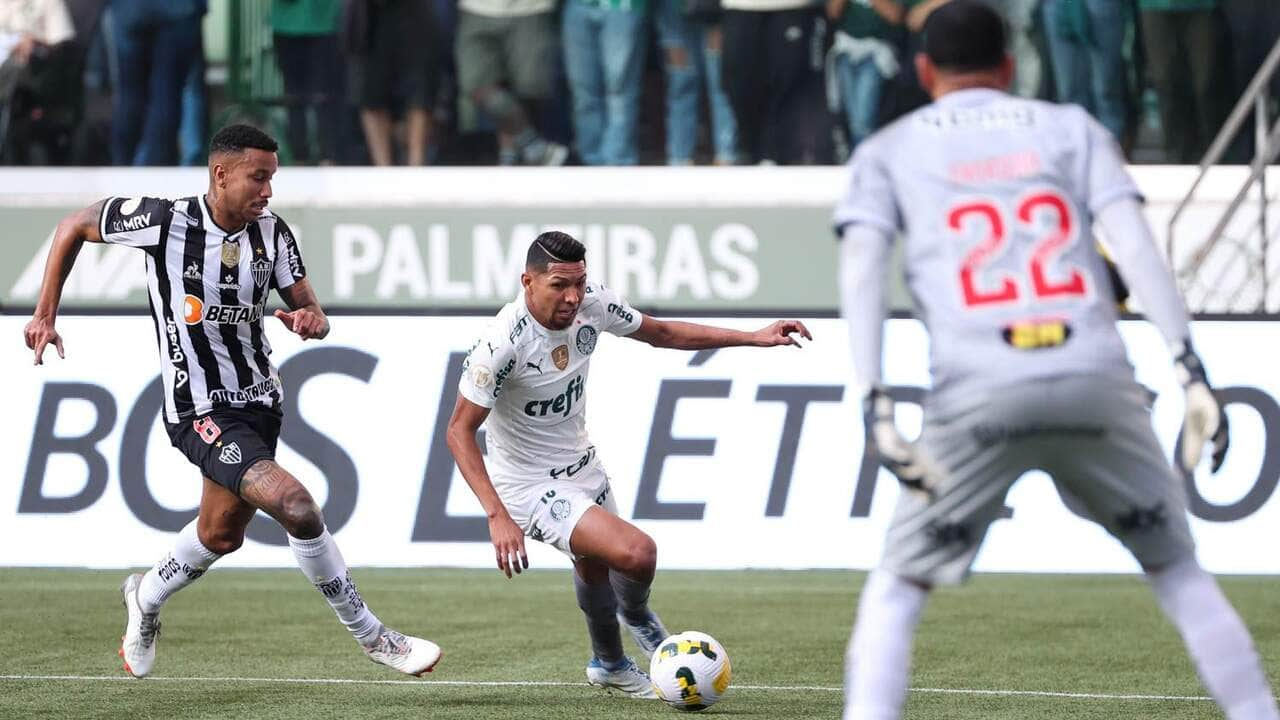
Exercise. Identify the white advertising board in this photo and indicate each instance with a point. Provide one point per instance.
(744, 458)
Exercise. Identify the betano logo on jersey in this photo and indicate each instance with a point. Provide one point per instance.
(194, 310)
(560, 404)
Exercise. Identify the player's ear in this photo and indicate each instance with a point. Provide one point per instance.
(926, 73)
(526, 279)
(1006, 72)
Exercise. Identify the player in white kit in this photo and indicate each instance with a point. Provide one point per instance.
(995, 197)
(526, 378)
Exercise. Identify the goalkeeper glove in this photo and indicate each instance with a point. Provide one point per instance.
(1204, 421)
(900, 457)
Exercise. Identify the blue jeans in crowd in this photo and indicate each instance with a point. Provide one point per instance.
(684, 81)
(604, 59)
(154, 53)
(1088, 58)
(860, 86)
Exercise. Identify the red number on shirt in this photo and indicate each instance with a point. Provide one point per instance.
(1060, 237)
(988, 248)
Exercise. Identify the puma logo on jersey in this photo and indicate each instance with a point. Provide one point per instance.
(537, 367)
(561, 404)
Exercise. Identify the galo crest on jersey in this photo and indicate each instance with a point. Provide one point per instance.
(230, 454)
(261, 269)
(560, 356)
(230, 254)
(586, 339)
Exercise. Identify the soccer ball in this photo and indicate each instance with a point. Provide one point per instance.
(690, 671)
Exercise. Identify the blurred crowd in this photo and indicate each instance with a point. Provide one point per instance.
(595, 82)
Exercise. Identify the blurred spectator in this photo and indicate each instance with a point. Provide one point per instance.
(506, 53)
(193, 128)
(156, 41)
(773, 51)
(863, 56)
(305, 38)
(903, 93)
(691, 39)
(1021, 17)
(604, 49)
(1255, 29)
(1184, 40)
(390, 46)
(30, 33)
(1086, 50)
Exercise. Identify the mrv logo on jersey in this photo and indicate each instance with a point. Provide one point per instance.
(194, 310)
(136, 222)
(560, 404)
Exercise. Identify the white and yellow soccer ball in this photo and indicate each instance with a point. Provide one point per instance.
(690, 671)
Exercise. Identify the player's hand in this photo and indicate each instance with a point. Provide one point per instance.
(1204, 421)
(304, 323)
(40, 332)
(781, 333)
(508, 541)
(896, 454)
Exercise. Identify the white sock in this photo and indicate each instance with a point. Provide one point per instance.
(878, 660)
(322, 563)
(1217, 640)
(183, 565)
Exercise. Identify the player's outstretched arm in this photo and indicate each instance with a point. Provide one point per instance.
(72, 232)
(1145, 271)
(507, 537)
(305, 317)
(693, 336)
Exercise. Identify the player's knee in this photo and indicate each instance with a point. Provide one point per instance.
(641, 557)
(222, 542)
(300, 515)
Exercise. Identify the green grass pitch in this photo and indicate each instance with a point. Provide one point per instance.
(263, 644)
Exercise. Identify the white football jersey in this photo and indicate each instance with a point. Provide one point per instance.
(994, 196)
(534, 380)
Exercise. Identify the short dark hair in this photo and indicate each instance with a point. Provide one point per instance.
(239, 137)
(553, 246)
(965, 36)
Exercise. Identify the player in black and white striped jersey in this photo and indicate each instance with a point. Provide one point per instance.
(211, 263)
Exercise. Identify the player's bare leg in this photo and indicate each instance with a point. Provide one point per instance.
(878, 659)
(609, 667)
(1217, 640)
(272, 489)
(632, 558)
(217, 530)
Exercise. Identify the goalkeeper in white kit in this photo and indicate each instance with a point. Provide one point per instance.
(995, 198)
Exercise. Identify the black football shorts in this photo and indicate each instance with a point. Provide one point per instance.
(227, 442)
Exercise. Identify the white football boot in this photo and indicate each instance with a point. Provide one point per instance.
(138, 644)
(408, 654)
(625, 676)
(648, 634)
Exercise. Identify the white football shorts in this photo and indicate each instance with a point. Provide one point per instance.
(549, 508)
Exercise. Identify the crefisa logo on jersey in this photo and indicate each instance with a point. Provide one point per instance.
(587, 339)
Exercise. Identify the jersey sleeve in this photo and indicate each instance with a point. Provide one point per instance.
(487, 367)
(289, 268)
(1106, 179)
(868, 197)
(619, 317)
(135, 222)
